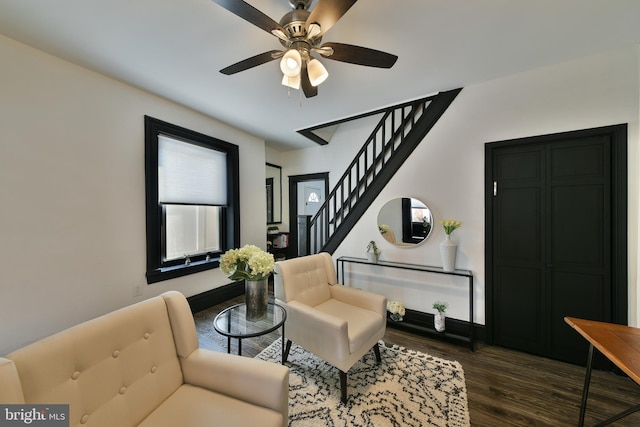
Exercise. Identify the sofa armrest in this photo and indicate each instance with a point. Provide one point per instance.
(255, 381)
(10, 388)
(359, 298)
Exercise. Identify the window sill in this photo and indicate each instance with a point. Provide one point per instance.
(167, 273)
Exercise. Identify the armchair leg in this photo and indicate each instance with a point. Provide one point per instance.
(285, 354)
(376, 350)
(343, 387)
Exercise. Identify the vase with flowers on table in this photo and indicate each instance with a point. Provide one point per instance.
(254, 266)
(448, 248)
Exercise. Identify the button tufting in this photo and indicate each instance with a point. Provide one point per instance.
(75, 375)
(84, 419)
(122, 390)
(147, 335)
(153, 369)
(116, 353)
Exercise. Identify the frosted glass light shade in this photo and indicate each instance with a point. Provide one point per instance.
(291, 63)
(314, 30)
(292, 82)
(317, 72)
(190, 174)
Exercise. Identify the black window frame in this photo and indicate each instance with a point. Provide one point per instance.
(156, 270)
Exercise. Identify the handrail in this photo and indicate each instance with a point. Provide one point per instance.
(370, 157)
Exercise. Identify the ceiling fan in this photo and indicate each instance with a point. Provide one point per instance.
(300, 32)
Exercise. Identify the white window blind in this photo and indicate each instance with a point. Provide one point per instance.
(190, 174)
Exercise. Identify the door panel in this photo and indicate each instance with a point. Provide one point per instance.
(518, 321)
(550, 241)
(519, 275)
(579, 282)
(575, 295)
(515, 208)
(577, 226)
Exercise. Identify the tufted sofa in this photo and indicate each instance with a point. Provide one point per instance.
(141, 365)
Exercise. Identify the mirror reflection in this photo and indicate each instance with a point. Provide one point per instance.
(274, 193)
(405, 222)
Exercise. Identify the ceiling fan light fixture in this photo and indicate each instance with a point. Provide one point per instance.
(317, 72)
(291, 63)
(292, 82)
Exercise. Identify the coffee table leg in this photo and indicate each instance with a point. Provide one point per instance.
(585, 389)
(239, 346)
(228, 344)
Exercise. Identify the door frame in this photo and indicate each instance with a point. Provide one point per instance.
(619, 263)
(294, 180)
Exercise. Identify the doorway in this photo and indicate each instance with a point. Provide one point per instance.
(306, 194)
(556, 238)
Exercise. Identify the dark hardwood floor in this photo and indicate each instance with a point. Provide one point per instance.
(504, 387)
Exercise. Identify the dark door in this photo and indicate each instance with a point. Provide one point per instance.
(296, 181)
(550, 240)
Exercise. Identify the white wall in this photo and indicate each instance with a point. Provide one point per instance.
(447, 170)
(72, 219)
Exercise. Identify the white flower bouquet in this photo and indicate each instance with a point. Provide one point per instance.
(247, 263)
(395, 307)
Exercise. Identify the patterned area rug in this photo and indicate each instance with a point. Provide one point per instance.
(407, 389)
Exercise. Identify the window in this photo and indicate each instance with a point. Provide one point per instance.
(192, 200)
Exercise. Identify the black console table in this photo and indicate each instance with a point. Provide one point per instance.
(427, 269)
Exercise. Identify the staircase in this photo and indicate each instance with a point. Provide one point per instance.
(391, 142)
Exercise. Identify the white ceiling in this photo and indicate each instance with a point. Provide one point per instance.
(175, 48)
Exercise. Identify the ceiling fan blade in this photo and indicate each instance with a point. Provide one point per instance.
(308, 89)
(251, 14)
(360, 55)
(254, 61)
(328, 12)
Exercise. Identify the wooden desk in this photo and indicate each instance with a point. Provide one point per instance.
(618, 343)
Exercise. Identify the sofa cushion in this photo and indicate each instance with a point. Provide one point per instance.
(362, 324)
(195, 406)
(113, 370)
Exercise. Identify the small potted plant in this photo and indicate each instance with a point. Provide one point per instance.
(438, 318)
(373, 253)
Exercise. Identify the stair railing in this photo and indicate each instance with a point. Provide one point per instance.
(379, 148)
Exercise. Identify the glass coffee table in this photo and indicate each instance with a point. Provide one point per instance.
(232, 323)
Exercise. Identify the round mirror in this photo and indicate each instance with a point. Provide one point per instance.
(405, 222)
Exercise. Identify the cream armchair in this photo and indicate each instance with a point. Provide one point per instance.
(337, 323)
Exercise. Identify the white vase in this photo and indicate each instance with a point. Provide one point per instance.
(448, 250)
(438, 321)
(256, 296)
